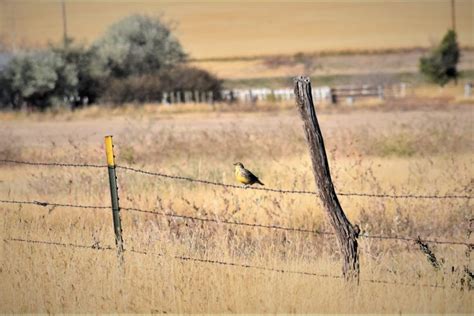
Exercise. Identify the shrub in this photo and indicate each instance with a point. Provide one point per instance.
(137, 45)
(150, 88)
(440, 66)
(140, 89)
(39, 79)
(184, 78)
(59, 76)
(80, 57)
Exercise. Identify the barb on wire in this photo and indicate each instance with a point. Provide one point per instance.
(233, 186)
(302, 230)
(44, 204)
(52, 164)
(96, 246)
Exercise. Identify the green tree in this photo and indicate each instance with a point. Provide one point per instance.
(137, 45)
(39, 79)
(80, 57)
(440, 66)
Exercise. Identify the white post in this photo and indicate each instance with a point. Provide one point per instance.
(468, 90)
(380, 92)
(403, 89)
(196, 96)
(178, 97)
(210, 97)
(164, 98)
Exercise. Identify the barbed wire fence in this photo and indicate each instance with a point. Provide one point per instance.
(97, 246)
(233, 186)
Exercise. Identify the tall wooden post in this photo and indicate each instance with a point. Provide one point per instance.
(345, 232)
(109, 150)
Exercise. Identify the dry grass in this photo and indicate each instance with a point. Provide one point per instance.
(228, 28)
(363, 64)
(416, 151)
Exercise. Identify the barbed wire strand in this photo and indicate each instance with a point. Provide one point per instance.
(413, 239)
(52, 164)
(97, 246)
(303, 230)
(233, 186)
(45, 204)
(222, 221)
(256, 225)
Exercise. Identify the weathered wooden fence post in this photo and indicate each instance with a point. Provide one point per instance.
(345, 232)
(109, 150)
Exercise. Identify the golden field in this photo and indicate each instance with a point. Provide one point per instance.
(333, 64)
(411, 149)
(210, 29)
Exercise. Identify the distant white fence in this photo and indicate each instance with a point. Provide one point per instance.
(324, 94)
(347, 94)
(265, 94)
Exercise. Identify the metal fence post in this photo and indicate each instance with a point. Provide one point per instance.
(109, 150)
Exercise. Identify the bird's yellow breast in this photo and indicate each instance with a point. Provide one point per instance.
(240, 177)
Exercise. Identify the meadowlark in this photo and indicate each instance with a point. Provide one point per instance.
(245, 176)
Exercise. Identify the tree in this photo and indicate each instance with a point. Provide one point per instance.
(77, 55)
(440, 66)
(38, 78)
(137, 45)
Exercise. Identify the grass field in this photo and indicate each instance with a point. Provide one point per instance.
(418, 149)
(361, 66)
(231, 29)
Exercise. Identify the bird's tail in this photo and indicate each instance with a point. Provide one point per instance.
(260, 182)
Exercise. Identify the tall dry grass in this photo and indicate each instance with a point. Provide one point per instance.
(419, 151)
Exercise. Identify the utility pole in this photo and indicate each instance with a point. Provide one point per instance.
(64, 23)
(453, 15)
(14, 35)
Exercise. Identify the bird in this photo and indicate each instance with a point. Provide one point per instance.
(245, 176)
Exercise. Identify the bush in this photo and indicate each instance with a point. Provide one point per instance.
(88, 82)
(39, 79)
(440, 66)
(59, 76)
(150, 88)
(132, 89)
(137, 45)
(136, 61)
(189, 79)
